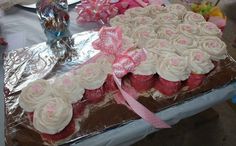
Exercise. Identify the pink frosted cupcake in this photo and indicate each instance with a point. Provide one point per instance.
(142, 78)
(92, 77)
(172, 69)
(200, 64)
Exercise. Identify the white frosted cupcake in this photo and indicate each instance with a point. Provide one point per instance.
(143, 33)
(155, 9)
(120, 20)
(172, 69)
(141, 20)
(193, 18)
(214, 46)
(167, 18)
(200, 64)
(159, 46)
(136, 12)
(167, 32)
(106, 64)
(69, 88)
(177, 9)
(142, 78)
(92, 77)
(128, 43)
(33, 94)
(209, 29)
(188, 29)
(183, 44)
(52, 115)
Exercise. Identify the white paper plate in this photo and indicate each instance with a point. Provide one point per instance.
(33, 6)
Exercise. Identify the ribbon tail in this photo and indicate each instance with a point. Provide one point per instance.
(141, 110)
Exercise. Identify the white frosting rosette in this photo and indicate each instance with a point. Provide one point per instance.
(126, 30)
(128, 42)
(143, 33)
(120, 20)
(173, 67)
(167, 18)
(214, 46)
(183, 44)
(188, 29)
(209, 29)
(91, 76)
(199, 62)
(193, 18)
(141, 20)
(155, 9)
(52, 115)
(106, 63)
(147, 67)
(137, 11)
(158, 46)
(68, 87)
(167, 32)
(33, 94)
(177, 9)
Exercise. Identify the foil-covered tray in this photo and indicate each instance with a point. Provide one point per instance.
(28, 64)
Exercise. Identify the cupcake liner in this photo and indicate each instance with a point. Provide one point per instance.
(66, 132)
(166, 87)
(142, 82)
(195, 80)
(30, 116)
(110, 85)
(78, 108)
(94, 96)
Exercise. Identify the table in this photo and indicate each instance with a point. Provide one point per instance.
(24, 26)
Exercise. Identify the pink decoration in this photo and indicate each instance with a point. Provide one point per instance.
(95, 10)
(36, 88)
(67, 81)
(110, 42)
(175, 61)
(199, 56)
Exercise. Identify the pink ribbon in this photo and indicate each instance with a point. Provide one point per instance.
(138, 108)
(110, 42)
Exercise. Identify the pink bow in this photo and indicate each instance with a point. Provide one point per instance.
(95, 10)
(110, 42)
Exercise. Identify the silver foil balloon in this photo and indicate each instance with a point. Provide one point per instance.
(54, 18)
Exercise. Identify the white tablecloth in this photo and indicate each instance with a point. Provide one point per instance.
(22, 28)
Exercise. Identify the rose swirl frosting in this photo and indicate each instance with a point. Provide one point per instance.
(214, 46)
(91, 76)
(68, 87)
(173, 67)
(52, 115)
(200, 62)
(33, 94)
